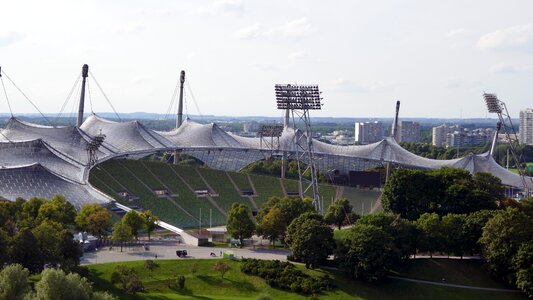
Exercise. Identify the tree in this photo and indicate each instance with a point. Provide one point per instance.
(340, 213)
(150, 221)
(121, 233)
(240, 223)
(474, 223)
(134, 220)
(221, 267)
(310, 239)
(48, 236)
(523, 265)
(501, 239)
(402, 231)
(4, 246)
(30, 211)
(150, 265)
(71, 251)
(25, 251)
(55, 284)
(489, 184)
(128, 279)
(367, 253)
(289, 207)
(272, 226)
(454, 235)
(94, 219)
(58, 209)
(103, 296)
(431, 234)
(14, 282)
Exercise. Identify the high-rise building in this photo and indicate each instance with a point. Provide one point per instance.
(525, 134)
(368, 132)
(409, 131)
(439, 135)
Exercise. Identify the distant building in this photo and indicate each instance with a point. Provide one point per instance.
(368, 132)
(251, 126)
(525, 134)
(466, 138)
(439, 135)
(409, 132)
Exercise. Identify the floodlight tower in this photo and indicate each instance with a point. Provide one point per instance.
(84, 75)
(269, 136)
(300, 99)
(495, 105)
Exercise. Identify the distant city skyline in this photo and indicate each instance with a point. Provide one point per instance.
(436, 57)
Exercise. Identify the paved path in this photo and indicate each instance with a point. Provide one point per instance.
(455, 285)
(167, 250)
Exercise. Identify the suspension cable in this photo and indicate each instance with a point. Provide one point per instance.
(90, 98)
(28, 99)
(194, 99)
(5, 93)
(105, 96)
(172, 104)
(65, 103)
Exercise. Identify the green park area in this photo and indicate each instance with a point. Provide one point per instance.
(207, 284)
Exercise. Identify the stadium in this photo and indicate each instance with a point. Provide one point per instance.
(42, 161)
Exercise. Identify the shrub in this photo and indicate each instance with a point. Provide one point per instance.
(128, 279)
(285, 276)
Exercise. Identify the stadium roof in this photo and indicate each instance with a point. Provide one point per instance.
(38, 160)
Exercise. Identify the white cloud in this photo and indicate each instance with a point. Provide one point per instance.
(130, 28)
(264, 66)
(506, 69)
(225, 7)
(458, 83)
(248, 33)
(346, 85)
(297, 55)
(456, 33)
(518, 38)
(295, 29)
(9, 38)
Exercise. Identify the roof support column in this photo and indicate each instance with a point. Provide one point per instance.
(84, 74)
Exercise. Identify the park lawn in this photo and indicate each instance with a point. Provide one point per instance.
(455, 271)
(206, 284)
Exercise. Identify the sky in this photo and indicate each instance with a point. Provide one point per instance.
(436, 57)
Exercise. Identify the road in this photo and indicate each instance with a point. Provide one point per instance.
(167, 250)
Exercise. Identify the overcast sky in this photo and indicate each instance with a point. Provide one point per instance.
(437, 57)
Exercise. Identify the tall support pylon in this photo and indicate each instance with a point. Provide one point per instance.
(179, 119)
(84, 75)
(394, 135)
(300, 99)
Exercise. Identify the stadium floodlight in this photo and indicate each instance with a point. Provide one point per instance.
(493, 103)
(268, 130)
(299, 100)
(301, 97)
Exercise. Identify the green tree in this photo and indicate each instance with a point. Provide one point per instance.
(14, 282)
(489, 184)
(523, 265)
(310, 239)
(501, 239)
(150, 221)
(4, 246)
(55, 284)
(340, 213)
(367, 252)
(94, 219)
(25, 251)
(128, 279)
(58, 209)
(431, 234)
(290, 207)
(134, 220)
(272, 225)
(474, 223)
(221, 267)
(48, 235)
(240, 223)
(30, 212)
(122, 233)
(454, 234)
(71, 251)
(402, 231)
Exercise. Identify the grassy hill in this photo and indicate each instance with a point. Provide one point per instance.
(182, 208)
(206, 284)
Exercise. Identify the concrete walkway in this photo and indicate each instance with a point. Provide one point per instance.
(455, 285)
(167, 250)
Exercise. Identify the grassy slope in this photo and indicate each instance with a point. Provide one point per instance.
(236, 285)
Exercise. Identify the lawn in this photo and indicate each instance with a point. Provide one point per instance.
(206, 284)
